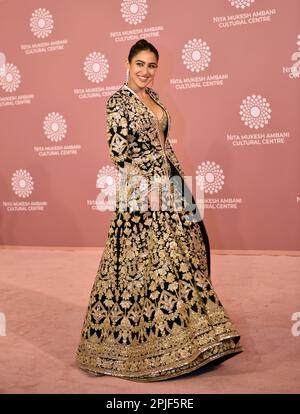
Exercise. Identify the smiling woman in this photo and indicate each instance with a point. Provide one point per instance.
(153, 312)
(141, 65)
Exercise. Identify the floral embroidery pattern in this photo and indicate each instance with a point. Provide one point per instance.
(153, 313)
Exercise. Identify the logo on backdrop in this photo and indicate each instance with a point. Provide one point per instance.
(134, 11)
(55, 127)
(255, 111)
(41, 23)
(22, 183)
(96, 67)
(210, 178)
(10, 80)
(196, 55)
(241, 3)
(295, 69)
(10, 77)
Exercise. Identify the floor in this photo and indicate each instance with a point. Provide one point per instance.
(45, 291)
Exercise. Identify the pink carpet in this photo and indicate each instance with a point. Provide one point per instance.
(44, 295)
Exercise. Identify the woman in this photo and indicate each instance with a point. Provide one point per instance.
(153, 312)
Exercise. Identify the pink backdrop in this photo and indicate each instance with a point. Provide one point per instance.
(229, 75)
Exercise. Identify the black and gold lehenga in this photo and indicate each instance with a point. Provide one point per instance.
(153, 313)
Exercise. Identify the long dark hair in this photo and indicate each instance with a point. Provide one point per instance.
(140, 45)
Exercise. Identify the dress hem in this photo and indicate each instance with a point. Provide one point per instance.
(193, 364)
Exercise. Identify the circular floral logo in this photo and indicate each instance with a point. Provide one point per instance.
(241, 3)
(55, 127)
(196, 55)
(22, 183)
(96, 67)
(41, 23)
(255, 111)
(209, 177)
(10, 77)
(134, 11)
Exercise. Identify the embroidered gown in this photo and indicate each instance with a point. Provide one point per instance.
(153, 313)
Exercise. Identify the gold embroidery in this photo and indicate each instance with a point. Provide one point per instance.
(153, 313)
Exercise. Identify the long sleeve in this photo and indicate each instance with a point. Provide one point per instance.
(117, 131)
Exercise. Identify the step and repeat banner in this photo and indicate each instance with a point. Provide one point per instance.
(229, 75)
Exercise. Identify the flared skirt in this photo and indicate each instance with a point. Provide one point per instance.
(153, 313)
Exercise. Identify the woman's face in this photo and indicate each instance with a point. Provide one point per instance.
(142, 69)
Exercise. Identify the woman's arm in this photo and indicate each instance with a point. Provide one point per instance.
(117, 131)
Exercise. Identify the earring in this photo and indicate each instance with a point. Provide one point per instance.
(127, 75)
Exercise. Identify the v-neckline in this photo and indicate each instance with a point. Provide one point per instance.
(143, 101)
(156, 118)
